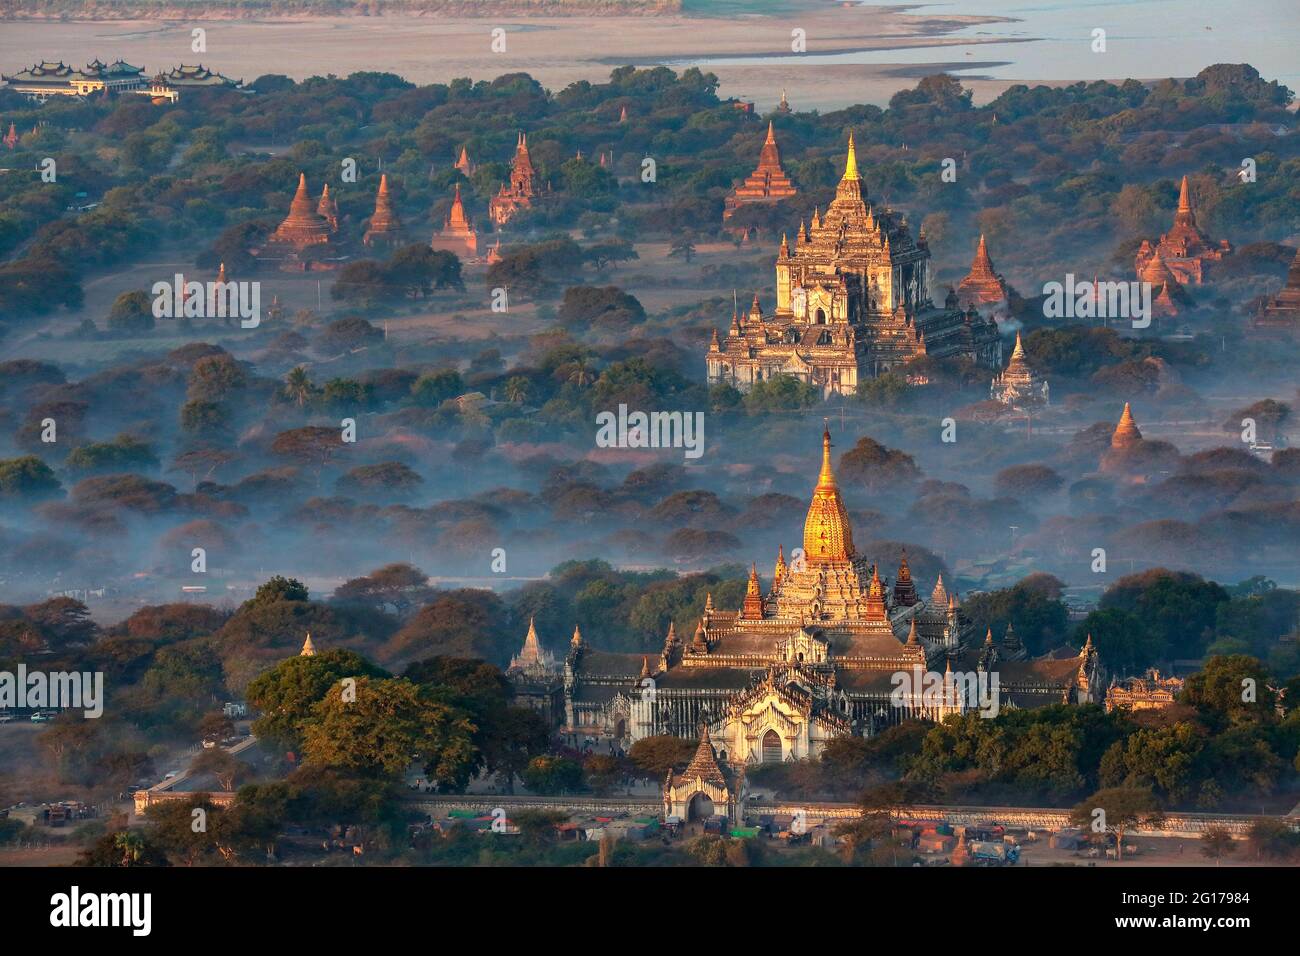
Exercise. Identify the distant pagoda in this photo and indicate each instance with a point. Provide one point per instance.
(1282, 312)
(463, 164)
(11, 137)
(1186, 250)
(519, 193)
(1018, 384)
(767, 183)
(1126, 432)
(384, 225)
(328, 209)
(982, 285)
(304, 226)
(457, 234)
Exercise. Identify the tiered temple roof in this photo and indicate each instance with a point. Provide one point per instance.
(767, 183)
(384, 224)
(304, 226)
(852, 302)
(457, 234)
(197, 76)
(328, 209)
(47, 79)
(982, 285)
(1187, 252)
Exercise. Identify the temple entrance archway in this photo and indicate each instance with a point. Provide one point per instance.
(700, 807)
(771, 747)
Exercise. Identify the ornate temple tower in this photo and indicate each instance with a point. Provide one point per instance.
(852, 302)
(457, 234)
(767, 183)
(1018, 384)
(520, 192)
(1188, 253)
(384, 225)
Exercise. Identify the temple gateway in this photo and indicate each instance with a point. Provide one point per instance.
(852, 301)
(813, 657)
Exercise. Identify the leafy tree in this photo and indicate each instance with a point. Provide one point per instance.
(1122, 809)
(391, 724)
(286, 694)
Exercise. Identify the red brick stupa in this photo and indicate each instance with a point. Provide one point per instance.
(1187, 251)
(11, 137)
(384, 225)
(304, 226)
(457, 234)
(982, 285)
(328, 209)
(767, 183)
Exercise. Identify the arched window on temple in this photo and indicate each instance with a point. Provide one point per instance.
(771, 747)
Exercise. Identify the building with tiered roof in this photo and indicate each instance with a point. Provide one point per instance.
(983, 285)
(457, 234)
(705, 788)
(48, 79)
(766, 184)
(328, 209)
(1018, 383)
(852, 302)
(1282, 311)
(814, 657)
(536, 677)
(1185, 250)
(519, 192)
(384, 227)
(198, 77)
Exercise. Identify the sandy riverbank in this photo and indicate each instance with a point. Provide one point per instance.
(554, 50)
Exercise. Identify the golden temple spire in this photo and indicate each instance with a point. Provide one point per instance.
(1019, 351)
(1184, 197)
(308, 648)
(576, 640)
(827, 535)
(912, 638)
(851, 164)
(771, 134)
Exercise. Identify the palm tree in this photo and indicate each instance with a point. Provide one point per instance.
(131, 845)
(517, 390)
(581, 374)
(298, 387)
